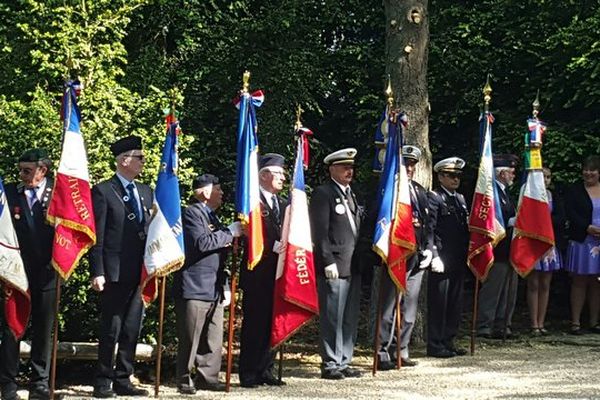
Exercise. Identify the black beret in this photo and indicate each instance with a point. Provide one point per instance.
(505, 160)
(34, 155)
(204, 180)
(271, 160)
(126, 144)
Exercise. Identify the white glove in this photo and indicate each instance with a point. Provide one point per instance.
(278, 247)
(331, 272)
(427, 256)
(437, 265)
(98, 283)
(235, 228)
(226, 295)
(511, 221)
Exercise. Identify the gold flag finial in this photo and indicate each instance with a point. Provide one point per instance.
(246, 81)
(299, 112)
(487, 93)
(389, 93)
(536, 105)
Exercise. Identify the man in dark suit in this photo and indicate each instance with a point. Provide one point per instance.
(256, 357)
(335, 221)
(28, 202)
(449, 221)
(415, 269)
(199, 288)
(498, 294)
(121, 208)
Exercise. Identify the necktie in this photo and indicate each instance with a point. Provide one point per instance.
(133, 202)
(275, 206)
(350, 200)
(32, 196)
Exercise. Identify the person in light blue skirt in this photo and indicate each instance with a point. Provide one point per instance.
(538, 280)
(583, 254)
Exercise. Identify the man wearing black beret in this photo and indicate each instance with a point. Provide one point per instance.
(256, 357)
(121, 208)
(199, 288)
(28, 202)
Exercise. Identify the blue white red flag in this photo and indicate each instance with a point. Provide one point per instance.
(486, 225)
(394, 238)
(164, 251)
(247, 193)
(70, 210)
(17, 302)
(295, 299)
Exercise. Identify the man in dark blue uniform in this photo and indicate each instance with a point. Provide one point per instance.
(121, 209)
(28, 202)
(335, 221)
(498, 294)
(449, 220)
(199, 288)
(256, 357)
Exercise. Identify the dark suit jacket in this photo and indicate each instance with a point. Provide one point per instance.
(34, 234)
(450, 228)
(119, 250)
(423, 232)
(206, 242)
(579, 211)
(262, 277)
(502, 250)
(332, 233)
(559, 219)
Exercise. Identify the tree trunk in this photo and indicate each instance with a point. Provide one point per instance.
(407, 45)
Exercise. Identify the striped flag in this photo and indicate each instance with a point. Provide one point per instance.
(295, 297)
(17, 303)
(486, 226)
(533, 233)
(70, 210)
(394, 238)
(247, 193)
(164, 244)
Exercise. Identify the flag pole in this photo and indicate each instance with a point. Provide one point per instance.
(55, 338)
(280, 368)
(487, 97)
(398, 327)
(161, 316)
(231, 321)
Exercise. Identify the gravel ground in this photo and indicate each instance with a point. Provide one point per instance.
(559, 366)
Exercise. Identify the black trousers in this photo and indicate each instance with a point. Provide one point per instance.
(41, 321)
(444, 306)
(256, 357)
(121, 310)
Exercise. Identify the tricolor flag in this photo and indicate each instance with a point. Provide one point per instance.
(533, 233)
(17, 303)
(485, 221)
(394, 239)
(247, 193)
(295, 297)
(164, 244)
(70, 210)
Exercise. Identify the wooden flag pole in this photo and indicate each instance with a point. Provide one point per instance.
(398, 332)
(474, 318)
(231, 322)
(161, 317)
(280, 368)
(55, 338)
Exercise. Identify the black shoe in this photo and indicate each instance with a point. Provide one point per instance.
(270, 380)
(385, 365)
(39, 393)
(249, 384)
(351, 372)
(130, 390)
(9, 394)
(443, 353)
(186, 389)
(407, 362)
(459, 351)
(103, 393)
(332, 374)
(211, 386)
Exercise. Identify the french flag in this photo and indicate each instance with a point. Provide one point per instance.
(295, 296)
(17, 302)
(70, 210)
(485, 221)
(247, 193)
